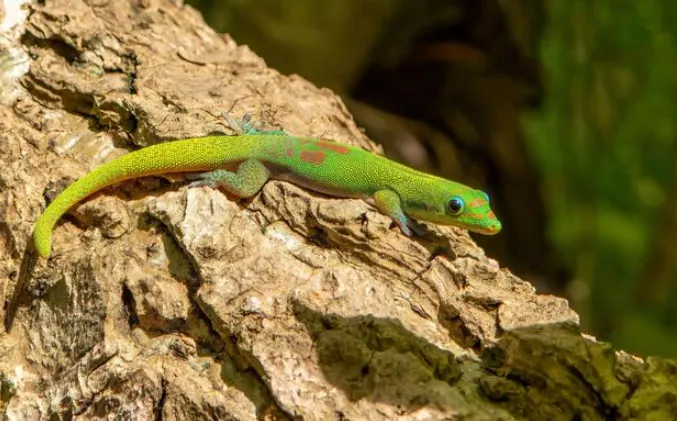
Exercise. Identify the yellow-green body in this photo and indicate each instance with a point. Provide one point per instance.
(321, 165)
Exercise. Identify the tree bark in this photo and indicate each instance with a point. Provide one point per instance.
(172, 303)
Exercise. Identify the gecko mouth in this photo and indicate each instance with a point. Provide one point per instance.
(490, 229)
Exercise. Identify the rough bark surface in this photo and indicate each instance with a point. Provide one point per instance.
(162, 302)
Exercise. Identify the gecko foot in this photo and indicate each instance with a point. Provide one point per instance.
(200, 181)
(247, 127)
(417, 228)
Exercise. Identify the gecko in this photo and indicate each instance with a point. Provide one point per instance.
(242, 164)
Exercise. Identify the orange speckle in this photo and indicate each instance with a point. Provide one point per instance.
(290, 152)
(491, 215)
(475, 203)
(332, 146)
(312, 157)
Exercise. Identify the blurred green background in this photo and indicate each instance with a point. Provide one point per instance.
(563, 110)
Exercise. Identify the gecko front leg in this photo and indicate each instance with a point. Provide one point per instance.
(388, 202)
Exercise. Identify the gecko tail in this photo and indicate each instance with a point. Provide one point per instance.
(42, 238)
(79, 190)
(132, 165)
(187, 155)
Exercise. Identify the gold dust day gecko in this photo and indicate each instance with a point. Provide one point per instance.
(242, 165)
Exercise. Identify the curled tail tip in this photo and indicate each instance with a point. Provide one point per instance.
(44, 252)
(42, 242)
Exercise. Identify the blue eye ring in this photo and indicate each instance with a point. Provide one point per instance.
(486, 196)
(455, 205)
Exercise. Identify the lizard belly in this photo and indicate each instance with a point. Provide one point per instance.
(318, 186)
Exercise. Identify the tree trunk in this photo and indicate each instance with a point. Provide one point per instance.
(172, 303)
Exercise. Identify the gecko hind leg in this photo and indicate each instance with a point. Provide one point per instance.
(251, 175)
(247, 127)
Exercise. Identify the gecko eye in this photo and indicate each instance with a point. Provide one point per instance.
(455, 205)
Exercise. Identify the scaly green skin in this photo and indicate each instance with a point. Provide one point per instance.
(320, 165)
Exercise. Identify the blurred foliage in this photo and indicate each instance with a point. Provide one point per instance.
(605, 144)
(582, 171)
(328, 42)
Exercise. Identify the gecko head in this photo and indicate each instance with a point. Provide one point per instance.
(471, 211)
(462, 207)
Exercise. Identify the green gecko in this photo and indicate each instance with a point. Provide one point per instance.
(317, 164)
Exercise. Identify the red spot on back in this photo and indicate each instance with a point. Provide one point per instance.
(332, 146)
(290, 152)
(312, 157)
